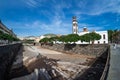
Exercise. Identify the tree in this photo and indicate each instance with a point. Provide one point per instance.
(69, 38)
(4, 36)
(53, 39)
(1, 32)
(85, 37)
(62, 39)
(94, 36)
(44, 40)
(90, 37)
(116, 36)
(30, 41)
(110, 35)
(72, 38)
(113, 35)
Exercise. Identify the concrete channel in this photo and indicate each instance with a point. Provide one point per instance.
(68, 66)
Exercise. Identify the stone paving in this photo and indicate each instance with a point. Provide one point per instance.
(114, 71)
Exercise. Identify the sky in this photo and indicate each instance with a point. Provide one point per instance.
(38, 17)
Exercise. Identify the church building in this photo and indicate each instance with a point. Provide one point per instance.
(104, 34)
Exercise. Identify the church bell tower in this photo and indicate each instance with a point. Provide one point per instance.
(74, 25)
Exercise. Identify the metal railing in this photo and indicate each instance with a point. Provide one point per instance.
(6, 42)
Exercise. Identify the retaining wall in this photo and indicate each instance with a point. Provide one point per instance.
(87, 49)
(107, 65)
(7, 56)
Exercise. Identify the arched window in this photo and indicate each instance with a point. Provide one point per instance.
(104, 36)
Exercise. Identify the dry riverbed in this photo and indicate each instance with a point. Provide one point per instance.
(40, 62)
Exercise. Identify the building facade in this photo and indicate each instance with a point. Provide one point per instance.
(4, 29)
(103, 40)
(104, 34)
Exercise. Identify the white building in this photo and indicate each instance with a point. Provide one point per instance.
(104, 34)
(35, 38)
(6, 30)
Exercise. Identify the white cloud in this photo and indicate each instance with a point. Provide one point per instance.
(55, 12)
(97, 7)
(95, 28)
(31, 3)
(107, 6)
(94, 7)
(90, 27)
(57, 26)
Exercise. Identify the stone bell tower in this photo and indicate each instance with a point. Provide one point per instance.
(74, 25)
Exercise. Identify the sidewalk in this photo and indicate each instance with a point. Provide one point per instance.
(114, 71)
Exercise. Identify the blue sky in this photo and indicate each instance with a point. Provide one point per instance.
(38, 17)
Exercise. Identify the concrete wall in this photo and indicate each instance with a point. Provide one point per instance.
(7, 56)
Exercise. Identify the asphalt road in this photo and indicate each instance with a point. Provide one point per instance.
(114, 71)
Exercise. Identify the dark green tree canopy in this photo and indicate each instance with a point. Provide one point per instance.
(45, 40)
(85, 37)
(73, 38)
(4, 36)
(90, 37)
(113, 35)
(94, 36)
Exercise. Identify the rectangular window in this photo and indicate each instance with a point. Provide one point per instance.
(98, 42)
(104, 42)
(104, 36)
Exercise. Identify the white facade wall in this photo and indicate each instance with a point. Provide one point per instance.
(4, 29)
(104, 37)
(103, 40)
(75, 26)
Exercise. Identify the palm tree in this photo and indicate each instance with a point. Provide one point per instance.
(116, 36)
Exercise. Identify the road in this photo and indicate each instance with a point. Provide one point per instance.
(114, 71)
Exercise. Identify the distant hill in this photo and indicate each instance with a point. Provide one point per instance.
(51, 35)
(29, 36)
